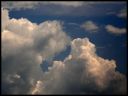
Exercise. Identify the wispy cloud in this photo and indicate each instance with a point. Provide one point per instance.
(30, 5)
(77, 8)
(74, 24)
(90, 26)
(115, 30)
(122, 13)
(19, 5)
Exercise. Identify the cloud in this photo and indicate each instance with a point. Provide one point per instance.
(115, 30)
(63, 8)
(83, 72)
(90, 26)
(36, 90)
(5, 18)
(31, 5)
(24, 46)
(73, 24)
(122, 13)
(64, 3)
(19, 5)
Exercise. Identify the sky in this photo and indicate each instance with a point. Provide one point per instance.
(64, 47)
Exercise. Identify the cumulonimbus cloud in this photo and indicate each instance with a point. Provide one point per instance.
(115, 30)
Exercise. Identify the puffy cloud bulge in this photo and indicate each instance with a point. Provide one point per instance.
(83, 72)
(25, 45)
(34, 36)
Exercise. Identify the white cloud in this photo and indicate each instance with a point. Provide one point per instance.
(122, 13)
(24, 46)
(5, 18)
(37, 89)
(49, 33)
(90, 26)
(115, 30)
(83, 72)
(44, 36)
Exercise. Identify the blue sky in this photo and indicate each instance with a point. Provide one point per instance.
(103, 23)
(114, 46)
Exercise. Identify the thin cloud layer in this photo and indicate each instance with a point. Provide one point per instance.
(19, 5)
(64, 3)
(90, 26)
(31, 5)
(122, 13)
(115, 30)
(63, 8)
(82, 72)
